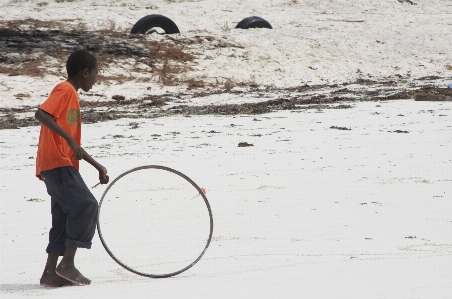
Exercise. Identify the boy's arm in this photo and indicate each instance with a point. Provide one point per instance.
(79, 153)
(103, 177)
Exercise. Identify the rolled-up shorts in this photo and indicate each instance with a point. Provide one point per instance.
(74, 210)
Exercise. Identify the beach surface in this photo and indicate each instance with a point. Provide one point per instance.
(325, 176)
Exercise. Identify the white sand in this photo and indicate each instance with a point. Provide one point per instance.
(308, 211)
(322, 42)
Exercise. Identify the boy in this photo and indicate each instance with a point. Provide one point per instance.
(74, 209)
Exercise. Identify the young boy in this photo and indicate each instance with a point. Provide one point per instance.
(74, 209)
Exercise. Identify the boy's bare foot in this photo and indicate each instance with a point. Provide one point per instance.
(71, 273)
(51, 279)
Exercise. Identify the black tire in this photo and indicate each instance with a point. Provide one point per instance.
(253, 22)
(151, 21)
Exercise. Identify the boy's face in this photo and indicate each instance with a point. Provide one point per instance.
(89, 78)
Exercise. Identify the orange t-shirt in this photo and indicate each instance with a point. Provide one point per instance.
(53, 150)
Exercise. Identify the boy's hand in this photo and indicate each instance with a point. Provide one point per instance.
(103, 177)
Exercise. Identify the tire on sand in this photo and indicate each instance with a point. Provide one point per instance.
(254, 22)
(151, 21)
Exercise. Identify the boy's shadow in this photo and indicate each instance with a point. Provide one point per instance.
(13, 287)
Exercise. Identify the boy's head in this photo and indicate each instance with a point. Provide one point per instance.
(84, 64)
(80, 60)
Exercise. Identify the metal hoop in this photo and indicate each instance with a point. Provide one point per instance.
(146, 274)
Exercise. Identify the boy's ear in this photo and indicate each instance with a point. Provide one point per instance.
(85, 73)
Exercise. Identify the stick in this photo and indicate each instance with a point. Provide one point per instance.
(4, 48)
(103, 94)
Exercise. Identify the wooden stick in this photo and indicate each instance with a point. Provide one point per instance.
(4, 48)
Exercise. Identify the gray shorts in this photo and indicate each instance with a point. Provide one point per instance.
(74, 209)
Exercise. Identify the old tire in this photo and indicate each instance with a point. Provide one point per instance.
(253, 22)
(151, 21)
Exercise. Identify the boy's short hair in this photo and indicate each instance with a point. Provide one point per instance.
(80, 60)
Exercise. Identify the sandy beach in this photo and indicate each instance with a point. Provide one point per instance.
(343, 192)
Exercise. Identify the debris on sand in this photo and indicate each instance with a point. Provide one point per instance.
(432, 94)
(398, 131)
(340, 128)
(245, 144)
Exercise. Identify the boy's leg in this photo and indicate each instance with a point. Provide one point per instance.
(81, 223)
(57, 234)
(56, 246)
(81, 209)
